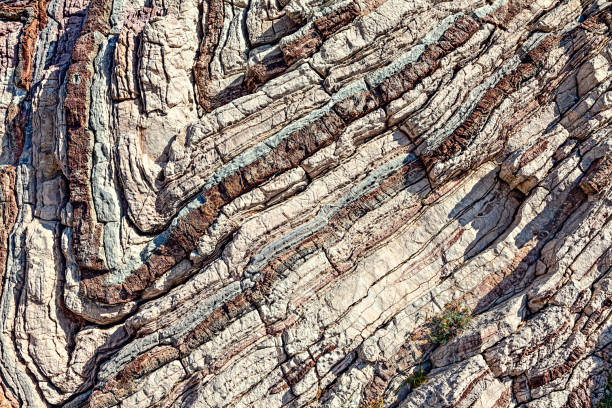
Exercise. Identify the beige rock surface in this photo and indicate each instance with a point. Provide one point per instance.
(270, 203)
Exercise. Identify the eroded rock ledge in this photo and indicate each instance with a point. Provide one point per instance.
(264, 203)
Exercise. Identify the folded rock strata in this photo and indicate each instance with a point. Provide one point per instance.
(261, 203)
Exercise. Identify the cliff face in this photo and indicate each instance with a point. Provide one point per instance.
(266, 203)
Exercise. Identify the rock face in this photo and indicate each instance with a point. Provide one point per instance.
(266, 203)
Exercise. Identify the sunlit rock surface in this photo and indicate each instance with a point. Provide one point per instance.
(264, 203)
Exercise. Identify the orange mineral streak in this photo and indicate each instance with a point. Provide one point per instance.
(34, 16)
(8, 214)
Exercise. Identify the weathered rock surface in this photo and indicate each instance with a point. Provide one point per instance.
(263, 203)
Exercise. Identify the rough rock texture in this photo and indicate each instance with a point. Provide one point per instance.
(264, 203)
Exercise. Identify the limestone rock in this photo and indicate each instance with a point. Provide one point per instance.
(272, 203)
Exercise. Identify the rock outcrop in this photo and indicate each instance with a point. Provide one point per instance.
(270, 203)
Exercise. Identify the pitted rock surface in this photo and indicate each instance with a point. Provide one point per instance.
(265, 203)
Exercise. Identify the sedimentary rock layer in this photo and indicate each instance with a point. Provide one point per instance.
(273, 203)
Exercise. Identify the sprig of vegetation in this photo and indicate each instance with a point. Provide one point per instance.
(417, 378)
(606, 401)
(449, 323)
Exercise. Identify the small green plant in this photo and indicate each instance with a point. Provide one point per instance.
(416, 378)
(449, 323)
(606, 401)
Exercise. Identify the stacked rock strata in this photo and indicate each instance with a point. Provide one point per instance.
(266, 203)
